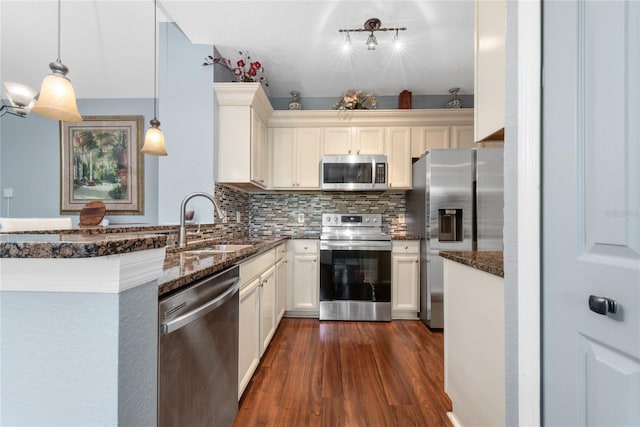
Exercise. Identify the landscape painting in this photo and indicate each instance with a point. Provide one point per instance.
(101, 160)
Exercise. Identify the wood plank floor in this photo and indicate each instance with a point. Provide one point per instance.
(348, 374)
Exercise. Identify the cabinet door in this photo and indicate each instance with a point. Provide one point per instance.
(248, 334)
(405, 284)
(305, 283)
(489, 69)
(336, 141)
(398, 150)
(424, 138)
(307, 163)
(369, 140)
(282, 157)
(281, 286)
(267, 308)
(259, 152)
(462, 137)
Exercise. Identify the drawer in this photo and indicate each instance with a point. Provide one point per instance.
(256, 265)
(281, 251)
(405, 246)
(304, 246)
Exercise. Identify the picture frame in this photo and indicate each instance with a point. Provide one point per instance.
(101, 160)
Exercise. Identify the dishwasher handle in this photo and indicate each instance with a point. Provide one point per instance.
(177, 323)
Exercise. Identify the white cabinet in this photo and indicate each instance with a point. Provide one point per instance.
(489, 69)
(295, 158)
(405, 279)
(267, 308)
(243, 112)
(248, 333)
(353, 140)
(259, 151)
(281, 281)
(257, 313)
(424, 138)
(398, 151)
(462, 137)
(303, 286)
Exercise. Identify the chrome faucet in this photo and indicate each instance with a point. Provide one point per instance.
(182, 239)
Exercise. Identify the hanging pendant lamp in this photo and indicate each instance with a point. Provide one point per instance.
(57, 98)
(154, 138)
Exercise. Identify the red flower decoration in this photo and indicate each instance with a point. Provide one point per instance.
(254, 72)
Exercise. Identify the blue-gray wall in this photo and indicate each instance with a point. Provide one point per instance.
(30, 161)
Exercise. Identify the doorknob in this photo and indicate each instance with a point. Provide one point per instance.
(602, 305)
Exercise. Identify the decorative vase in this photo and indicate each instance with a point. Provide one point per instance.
(294, 104)
(454, 102)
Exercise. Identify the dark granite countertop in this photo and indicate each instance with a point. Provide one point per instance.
(487, 261)
(404, 237)
(182, 267)
(76, 245)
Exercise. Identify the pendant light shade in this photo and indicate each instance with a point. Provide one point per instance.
(154, 140)
(57, 98)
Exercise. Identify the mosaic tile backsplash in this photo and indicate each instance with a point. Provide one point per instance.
(276, 214)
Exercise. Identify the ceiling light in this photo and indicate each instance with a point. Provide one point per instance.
(397, 43)
(154, 138)
(21, 99)
(57, 98)
(346, 45)
(370, 26)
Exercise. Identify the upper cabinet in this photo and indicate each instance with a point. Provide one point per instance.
(243, 114)
(353, 140)
(295, 158)
(489, 70)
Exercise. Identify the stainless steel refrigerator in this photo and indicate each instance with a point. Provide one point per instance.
(455, 204)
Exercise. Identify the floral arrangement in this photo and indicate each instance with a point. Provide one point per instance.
(356, 100)
(243, 69)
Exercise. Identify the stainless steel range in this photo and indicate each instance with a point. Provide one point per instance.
(355, 268)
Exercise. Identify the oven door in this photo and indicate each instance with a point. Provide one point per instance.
(355, 280)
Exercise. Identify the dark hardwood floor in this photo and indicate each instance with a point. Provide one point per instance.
(348, 374)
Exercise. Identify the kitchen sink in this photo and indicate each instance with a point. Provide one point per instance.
(220, 249)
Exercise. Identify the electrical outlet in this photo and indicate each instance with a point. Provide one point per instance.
(401, 218)
(300, 218)
(238, 219)
(224, 217)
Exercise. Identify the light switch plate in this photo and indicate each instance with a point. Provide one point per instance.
(300, 218)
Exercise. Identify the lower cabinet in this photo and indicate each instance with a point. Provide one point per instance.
(249, 334)
(405, 279)
(258, 312)
(304, 284)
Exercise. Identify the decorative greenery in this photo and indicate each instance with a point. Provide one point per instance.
(356, 100)
(243, 69)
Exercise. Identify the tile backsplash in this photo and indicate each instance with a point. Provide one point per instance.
(276, 214)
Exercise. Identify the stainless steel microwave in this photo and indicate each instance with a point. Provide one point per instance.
(353, 173)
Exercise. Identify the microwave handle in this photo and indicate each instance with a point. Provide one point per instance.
(373, 173)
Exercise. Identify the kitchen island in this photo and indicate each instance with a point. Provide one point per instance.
(474, 336)
(79, 321)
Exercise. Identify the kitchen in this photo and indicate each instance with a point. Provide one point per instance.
(168, 197)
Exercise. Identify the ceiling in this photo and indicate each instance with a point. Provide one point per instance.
(108, 44)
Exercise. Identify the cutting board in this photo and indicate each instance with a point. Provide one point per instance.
(92, 213)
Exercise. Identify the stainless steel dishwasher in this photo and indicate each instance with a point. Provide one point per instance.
(198, 353)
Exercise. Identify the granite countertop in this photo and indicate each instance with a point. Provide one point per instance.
(76, 245)
(487, 261)
(182, 267)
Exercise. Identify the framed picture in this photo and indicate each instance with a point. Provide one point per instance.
(101, 160)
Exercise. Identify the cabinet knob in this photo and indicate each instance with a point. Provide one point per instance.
(315, 260)
(416, 261)
(406, 247)
(306, 247)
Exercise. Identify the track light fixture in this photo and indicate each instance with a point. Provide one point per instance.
(21, 99)
(370, 26)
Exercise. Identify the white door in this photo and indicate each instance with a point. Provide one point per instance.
(591, 213)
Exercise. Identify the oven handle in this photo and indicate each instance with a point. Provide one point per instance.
(346, 245)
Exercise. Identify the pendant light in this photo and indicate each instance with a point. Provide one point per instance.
(154, 139)
(57, 98)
